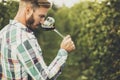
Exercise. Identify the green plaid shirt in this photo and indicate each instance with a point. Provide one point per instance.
(21, 55)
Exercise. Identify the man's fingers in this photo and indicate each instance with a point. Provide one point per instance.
(68, 44)
(67, 37)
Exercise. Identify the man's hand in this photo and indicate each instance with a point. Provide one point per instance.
(67, 44)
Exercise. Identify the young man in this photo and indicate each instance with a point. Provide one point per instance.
(20, 53)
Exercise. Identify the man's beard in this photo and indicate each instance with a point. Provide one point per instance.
(30, 24)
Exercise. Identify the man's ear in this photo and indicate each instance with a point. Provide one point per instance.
(29, 11)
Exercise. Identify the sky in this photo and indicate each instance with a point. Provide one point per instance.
(68, 3)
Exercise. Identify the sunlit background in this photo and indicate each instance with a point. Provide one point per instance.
(69, 3)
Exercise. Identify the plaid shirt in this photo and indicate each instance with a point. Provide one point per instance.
(21, 55)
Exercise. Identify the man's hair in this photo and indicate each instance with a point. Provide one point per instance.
(38, 3)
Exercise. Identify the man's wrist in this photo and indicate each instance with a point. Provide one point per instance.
(63, 52)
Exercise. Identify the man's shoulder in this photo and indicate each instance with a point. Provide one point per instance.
(4, 29)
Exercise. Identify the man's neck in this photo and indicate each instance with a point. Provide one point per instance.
(20, 17)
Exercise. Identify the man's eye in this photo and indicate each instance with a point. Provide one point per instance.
(42, 16)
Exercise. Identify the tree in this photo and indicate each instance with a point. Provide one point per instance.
(95, 30)
(7, 12)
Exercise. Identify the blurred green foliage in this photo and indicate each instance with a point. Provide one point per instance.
(7, 12)
(95, 29)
